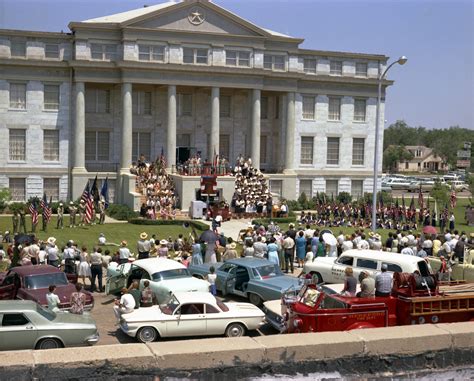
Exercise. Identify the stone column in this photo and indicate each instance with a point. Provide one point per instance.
(255, 129)
(290, 134)
(171, 131)
(215, 117)
(80, 128)
(126, 156)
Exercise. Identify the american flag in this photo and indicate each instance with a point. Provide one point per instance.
(45, 208)
(33, 211)
(453, 199)
(88, 200)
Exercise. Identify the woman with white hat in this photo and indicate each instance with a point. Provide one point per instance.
(163, 249)
(52, 252)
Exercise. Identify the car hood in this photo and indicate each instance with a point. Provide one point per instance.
(64, 293)
(283, 282)
(184, 284)
(245, 309)
(152, 313)
(74, 319)
(273, 306)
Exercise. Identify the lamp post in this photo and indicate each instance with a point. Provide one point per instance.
(402, 60)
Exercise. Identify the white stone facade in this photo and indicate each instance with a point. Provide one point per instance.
(269, 69)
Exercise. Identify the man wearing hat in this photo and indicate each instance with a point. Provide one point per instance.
(82, 213)
(143, 246)
(124, 252)
(60, 223)
(101, 212)
(72, 214)
(52, 252)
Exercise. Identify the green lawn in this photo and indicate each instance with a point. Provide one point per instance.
(88, 236)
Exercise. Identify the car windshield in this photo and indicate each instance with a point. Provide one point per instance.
(329, 302)
(47, 314)
(169, 306)
(171, 274)
(267, 271)
(45, 280)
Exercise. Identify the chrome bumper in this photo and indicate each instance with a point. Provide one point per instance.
(93, 339)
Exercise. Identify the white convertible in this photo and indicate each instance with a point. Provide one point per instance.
(191, 314)
(165, 276)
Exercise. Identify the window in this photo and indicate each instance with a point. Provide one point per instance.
(183, 140)
(224, 146)
(357, 188)
(367, 263)
(98, 101)
(224, 106)
(393, 267)
(334, 109)
(51, 188)
(335, 67)
(51, 145)
(264, 108)
(308, 107)
(17, 189)
(151, 53)
(97, 145)
(141, 144)
(332, 188)
(211, 309)
(273, 62)
(103, 52)
(51, 50)
(51, 97)
(418, 153)
(141, 102)
(358, 151)
(14, 319)
(17, 146)
(263, 149)
(359, 110)
(18, 96)
(307, 150)
(345, 260)
(195, 56)
(309, 65)
(191, 309)
(333, 151)
(237, 58)
(18, 48)
(276, 187)
(185, 105)
(306, 187)
(361, 69)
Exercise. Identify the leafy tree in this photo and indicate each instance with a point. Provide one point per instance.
(393, 155)
(303, 201)
(344, 197)
(5, 196)
(440, 193)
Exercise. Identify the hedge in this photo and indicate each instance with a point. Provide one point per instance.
(278, 221)
(196, 224)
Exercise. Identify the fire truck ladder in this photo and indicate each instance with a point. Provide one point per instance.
(442, 304)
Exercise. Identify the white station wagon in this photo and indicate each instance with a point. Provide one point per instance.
(332, 270)
(191, 314)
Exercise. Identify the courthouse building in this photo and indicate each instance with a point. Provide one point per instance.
(177, 75)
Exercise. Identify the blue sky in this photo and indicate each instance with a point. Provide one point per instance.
(435, 89)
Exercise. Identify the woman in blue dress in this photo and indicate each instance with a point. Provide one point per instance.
(196, 258)
(300, 248)
(273, 252)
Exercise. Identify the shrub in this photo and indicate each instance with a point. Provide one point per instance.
(196, 224)
(121, 212)
(5, 196)
(16, 206)
(293, 205)
(344, 197)
(279, 221)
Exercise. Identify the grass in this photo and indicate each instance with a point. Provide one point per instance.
(88, 235)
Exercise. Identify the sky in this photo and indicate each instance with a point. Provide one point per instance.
(434, 89)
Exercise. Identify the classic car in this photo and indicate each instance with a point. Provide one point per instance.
(254, 278)
(32, 282)
(459, 271)
(331, 269)
(216, 209)
(165, 276)
(25, 324)
(191, 314)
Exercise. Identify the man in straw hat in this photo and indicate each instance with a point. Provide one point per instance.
(52, 252)
(143, 246)
(124, 253)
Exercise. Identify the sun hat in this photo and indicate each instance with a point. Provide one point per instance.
(143, 235)
(233, 245)
(51, 240)
(123, 243)
(163, 242)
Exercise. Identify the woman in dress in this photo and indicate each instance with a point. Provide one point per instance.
(249, 251)
(300, 248)
(163, 249)
(84, 266)
(210, 256)
(273, 252)
(350, 283)
(78, 300)
(196, 258)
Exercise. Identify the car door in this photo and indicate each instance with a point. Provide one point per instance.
(215, 323)
(8, 287)
(17, 332)
(188, 320)
(369, 265)
(114, 284)
(339, 267)
(226, 278)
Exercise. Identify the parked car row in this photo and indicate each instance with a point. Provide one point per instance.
(413, 184)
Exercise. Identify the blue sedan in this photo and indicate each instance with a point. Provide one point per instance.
(253, 278)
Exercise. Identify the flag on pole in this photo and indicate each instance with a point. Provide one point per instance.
(436, 211)
(404, 207)
(87, 197)
(95, 192)
(33, 211)
(421, 202)
(104, 192)
(46, 208)
(452, 199)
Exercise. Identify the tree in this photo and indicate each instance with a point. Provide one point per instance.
(5, 196)
(440, 193)
(393, 155)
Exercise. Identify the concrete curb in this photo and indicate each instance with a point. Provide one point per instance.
(220, 353)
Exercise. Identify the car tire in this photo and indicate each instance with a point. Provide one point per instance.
(235, 330)
(49, 343)
(255, 299)
(319, 278)
(147, 335)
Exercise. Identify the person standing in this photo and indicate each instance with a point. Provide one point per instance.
(84, 266)
(101, 212)
(96, 269)
(211, 278)
(78, 300)
(260, 249)
(15, 221)
(383, 282)
(163, 249)
(72, 214)
(451, 221)
(143, 246)
(124, 252)
(273, 252)
(22, 221)
(82, 213)
(196, 258)
(288, 246)
(52, 252)
(52, 299)
(69, 259)
(300, 248)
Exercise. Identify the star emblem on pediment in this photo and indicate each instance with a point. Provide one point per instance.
(196, 16)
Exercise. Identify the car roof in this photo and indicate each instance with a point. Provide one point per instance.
(195, 297)
(383, 256)
(17, 305)
(249, 262)
(154, 265)
(35, 270)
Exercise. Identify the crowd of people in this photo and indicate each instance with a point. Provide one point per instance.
(157, 186)
(252, 195)
(195, 166)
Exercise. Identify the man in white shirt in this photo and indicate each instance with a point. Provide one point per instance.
(288, 245)
(363, 244)
(53, 299)
(124, 252)
(125, 305)
(407, 250)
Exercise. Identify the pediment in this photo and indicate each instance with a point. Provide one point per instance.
(198, 17)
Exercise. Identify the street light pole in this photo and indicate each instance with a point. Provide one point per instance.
(402, 60)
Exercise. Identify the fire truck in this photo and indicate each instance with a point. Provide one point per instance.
(414, 300)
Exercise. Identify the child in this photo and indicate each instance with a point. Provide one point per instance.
(211, 278)
(185, 260)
